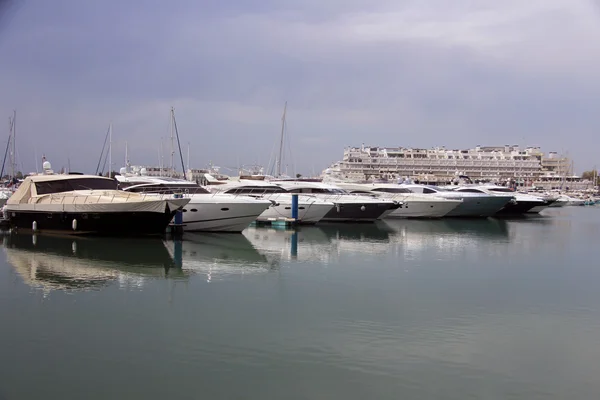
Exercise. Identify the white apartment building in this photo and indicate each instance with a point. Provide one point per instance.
(442, 165)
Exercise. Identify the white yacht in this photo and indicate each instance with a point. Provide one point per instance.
(524, 203)
(348, 207)
(310, 208)
(205, 211)
(5, 194)
(86, 204)
(473, 204)
(413, 205)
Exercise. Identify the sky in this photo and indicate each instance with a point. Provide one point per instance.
(412, 73)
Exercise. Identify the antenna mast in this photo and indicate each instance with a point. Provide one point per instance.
(281, 140)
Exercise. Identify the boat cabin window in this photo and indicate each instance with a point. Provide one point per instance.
(68, 185)
(470, 191)
(503, 190)
(392, 190)
(256, 190)
(166, 189)
(427, 190)
(317, 190)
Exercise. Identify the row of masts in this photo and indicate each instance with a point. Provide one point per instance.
(11, 146)
(174, 139)
(174, 135)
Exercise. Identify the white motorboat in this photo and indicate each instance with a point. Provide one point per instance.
(348, 207)
(311, 209)
(205, 211)
(413, 205)
(524, 203)
(474, 203)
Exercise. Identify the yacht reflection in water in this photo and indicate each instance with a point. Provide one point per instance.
(219, 255)
(324, 243)
(321, 243)
(67, 263)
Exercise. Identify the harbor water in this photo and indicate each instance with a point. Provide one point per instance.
(404, 309)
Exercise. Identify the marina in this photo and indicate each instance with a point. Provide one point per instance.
(400, 307)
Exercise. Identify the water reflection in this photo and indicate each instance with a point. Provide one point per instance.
(67, 263)
(325, 243)
(219, 255)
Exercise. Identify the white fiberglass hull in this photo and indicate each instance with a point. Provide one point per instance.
(221, 213)
(424, 209)
(310, 209)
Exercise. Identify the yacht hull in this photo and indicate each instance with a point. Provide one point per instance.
(424, 209)
(479, 207)
(308, 213)
(221, 217)
(93, 223)
(521, 207)
(357, 212)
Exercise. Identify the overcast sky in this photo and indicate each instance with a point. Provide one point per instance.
(418, 73)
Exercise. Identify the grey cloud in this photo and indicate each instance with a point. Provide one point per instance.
(385, 73)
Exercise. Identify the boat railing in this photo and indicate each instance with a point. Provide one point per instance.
(122, 196)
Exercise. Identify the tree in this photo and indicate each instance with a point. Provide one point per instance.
(298, 176)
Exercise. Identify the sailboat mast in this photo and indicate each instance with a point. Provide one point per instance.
(172, 142)
(188, 158)
(110, 150)
(281, 140)
(14, 140)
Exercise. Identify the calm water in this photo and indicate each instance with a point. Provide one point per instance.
(407, 309)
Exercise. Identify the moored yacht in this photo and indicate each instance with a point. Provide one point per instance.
(205, 211)
(86, 204)
(310, 208)
(473, 204)
(524, 203)
(348, 207)
(413, 205)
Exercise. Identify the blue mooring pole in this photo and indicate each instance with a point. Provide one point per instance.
(295, 206)
(294, 245)
(178, 254)
(179, 217)
(179, 213)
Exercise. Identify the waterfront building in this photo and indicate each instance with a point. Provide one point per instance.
(441, 165)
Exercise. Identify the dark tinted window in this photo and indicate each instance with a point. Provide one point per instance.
(427, 190)
(469, 191)
(255, 190)
(392, 190)
(166, 189)
(67, 185)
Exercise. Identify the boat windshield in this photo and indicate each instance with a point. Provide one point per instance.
(70, 184)
(500, 189)
(392, 190)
